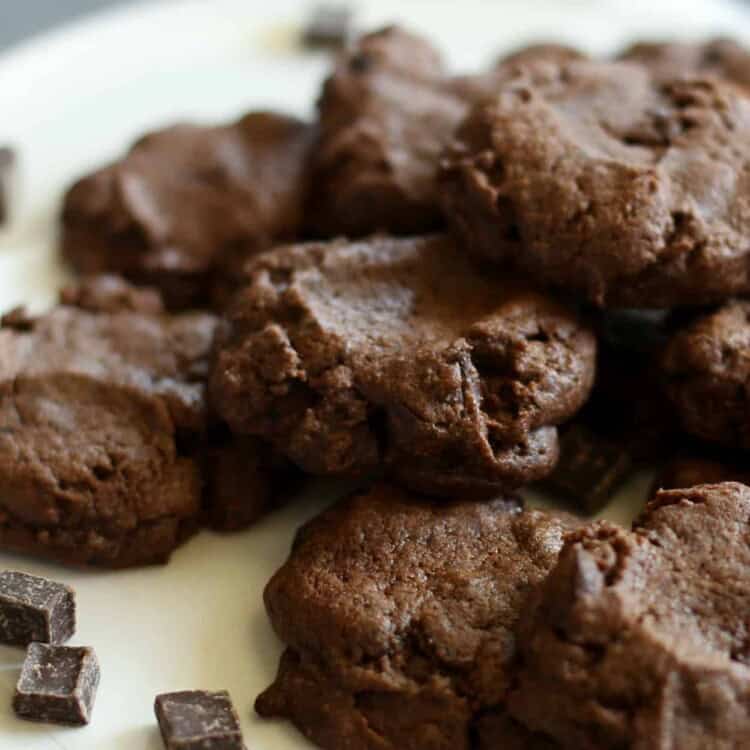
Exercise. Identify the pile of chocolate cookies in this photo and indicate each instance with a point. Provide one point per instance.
(447, 287)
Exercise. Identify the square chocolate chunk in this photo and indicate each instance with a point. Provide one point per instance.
(197, 720)
(590, 469)
(57, 684)
(35, 609)
(7, 166)
(329, 26)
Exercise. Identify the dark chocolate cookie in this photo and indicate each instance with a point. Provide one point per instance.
(627, 404)
(92, 407)
(722, 58)
(706, 371)
(188, 204)
(385, 116)
(639, 639)
(604, 180)
(349, 354)
(103, 423)
(398, 618)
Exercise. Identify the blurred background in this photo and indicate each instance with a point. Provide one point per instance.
(21, 19)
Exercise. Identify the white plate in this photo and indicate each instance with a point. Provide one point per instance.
(70, 100)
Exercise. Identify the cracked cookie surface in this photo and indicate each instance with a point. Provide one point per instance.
(93, 404)
(605, 180)
(639, 639)
(398, 618)
(187, 204)
(706, 373)
(347, 355)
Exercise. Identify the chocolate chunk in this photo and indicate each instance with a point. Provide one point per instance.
(329, 26)
(7, 165)
(35, 609)
(57, 684)
(590, 469)
(634, 330)
(198, 719)
(18, 318)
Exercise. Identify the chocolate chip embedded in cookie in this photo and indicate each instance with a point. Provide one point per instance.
(349, 354)
(385, 117)
(722, 58)
(398, 617)
(706, 372)
(94, 407)
(186, 205)
(607, 181)
(637, 638)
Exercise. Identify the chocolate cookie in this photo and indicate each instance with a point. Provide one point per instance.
(349, 354)
(92, 407)
(706, 373)
(607, 181)
(103, 422)
(639, 639)
(722, 58)
(385, 117)
(398, 618)
(186, 205)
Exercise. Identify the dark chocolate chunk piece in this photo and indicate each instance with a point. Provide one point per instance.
(18, 318)
(635, 330)
(198, 719)
(35, 609)
(328, 26)
(57, 684)
(589, 470)
(7, 165)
